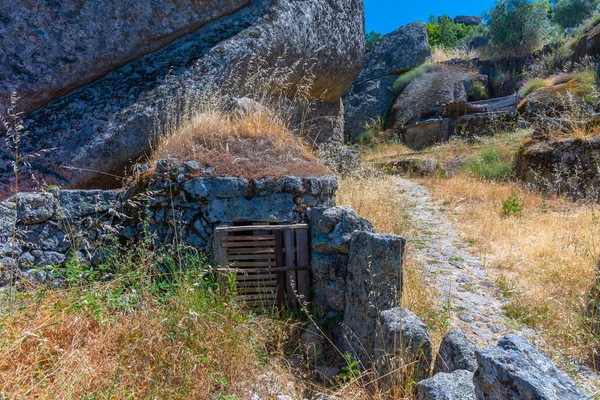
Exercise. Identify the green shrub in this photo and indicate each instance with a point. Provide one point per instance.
(444, 32)
(479, 91)
(531, 86)
(490, 166)
(403, 80)
(512, 206)
(518, 26)
(570, 13)
(372, 38)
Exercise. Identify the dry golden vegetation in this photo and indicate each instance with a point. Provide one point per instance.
(441, 54)
(144, 334)
(543, 260)
(252, 143)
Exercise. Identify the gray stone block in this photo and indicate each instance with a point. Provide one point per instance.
(515, 369)
(211, 188)
(456, 352)
(457, 385)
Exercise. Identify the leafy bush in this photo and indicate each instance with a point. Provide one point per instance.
(490, 166)
(512, 206)
(570, 13)
(443, 31)
(403, 80)
(518, 26)
(372, 38)
(532, 85)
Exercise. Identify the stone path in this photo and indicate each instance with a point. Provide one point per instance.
(461, 278)
(462, 281)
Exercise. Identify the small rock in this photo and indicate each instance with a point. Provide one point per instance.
(457, 385)
(456, 352)
(465, 317)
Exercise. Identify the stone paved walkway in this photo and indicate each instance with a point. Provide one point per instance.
(462, 280)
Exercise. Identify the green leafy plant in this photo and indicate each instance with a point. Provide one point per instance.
(570, 13)
(490, 166)
(443, 31)
(518, 26)
(512, 206)
(349, 371)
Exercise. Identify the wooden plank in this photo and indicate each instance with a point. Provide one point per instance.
(239, 264)
(256, 289)
(239, 257)
(221, 258)
(251, 250)
(260, 228)
(290, 276)
(256, 277)
(248, 244)
(303, 259)
(265, 270)
(270, 284)
(279, 262)
(265, 296)
(251, 238)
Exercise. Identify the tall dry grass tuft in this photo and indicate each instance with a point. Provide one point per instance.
(441, 54)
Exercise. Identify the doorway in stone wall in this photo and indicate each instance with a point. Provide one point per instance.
(270, 262)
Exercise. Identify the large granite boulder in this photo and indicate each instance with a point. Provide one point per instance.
(588, 45)
(457, 385)
(370, 97)
(305, 49)
(424, 96)
(456, 352)
(516, 370)
(48, 48)
(374, 284)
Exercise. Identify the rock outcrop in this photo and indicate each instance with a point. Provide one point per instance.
(424, 96)
(311, 49)
(370, 97)
(568, 166)
(516, 370)
(468, 20)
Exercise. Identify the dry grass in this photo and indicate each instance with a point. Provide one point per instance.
(251, 144)
(441, 54)
(543, 261)
(137, 336)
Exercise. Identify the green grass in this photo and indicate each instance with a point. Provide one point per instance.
(405, 79)
(489, 165)
(532, 85)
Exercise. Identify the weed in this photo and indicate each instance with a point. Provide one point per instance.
(532, 85)
(405, 79)
(512, 206)
(490, 166)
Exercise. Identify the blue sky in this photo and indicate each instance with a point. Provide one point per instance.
(387, 15)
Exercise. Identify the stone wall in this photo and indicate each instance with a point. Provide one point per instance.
(46, 229)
